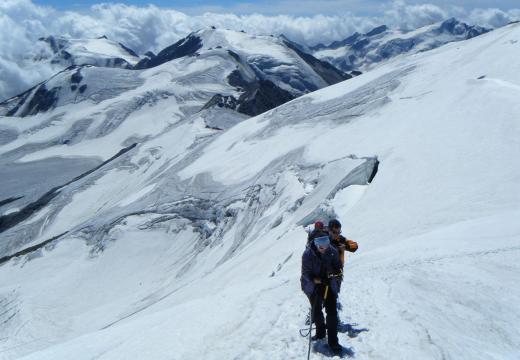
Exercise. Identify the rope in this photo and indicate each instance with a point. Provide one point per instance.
(304, 332)
(308, 332)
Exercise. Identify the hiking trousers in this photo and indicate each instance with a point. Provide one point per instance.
(330, 304)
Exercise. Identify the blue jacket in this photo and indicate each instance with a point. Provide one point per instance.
(316, 265)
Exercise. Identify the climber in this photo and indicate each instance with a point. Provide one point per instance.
(340, 242)
(321, 281)
(318, 229)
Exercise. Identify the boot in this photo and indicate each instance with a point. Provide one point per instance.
(320, 333)
(337, 349)
(318, 337)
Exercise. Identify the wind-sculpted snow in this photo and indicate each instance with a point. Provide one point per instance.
(10, 314)
(189, 244)
(116, 114)
(7, 135)
(368, 98)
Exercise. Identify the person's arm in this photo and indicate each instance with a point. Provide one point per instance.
(307, 280)
(341, 243)
(337, 263)
(351, 245)
(347, 244)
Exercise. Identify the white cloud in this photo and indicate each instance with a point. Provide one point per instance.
(406, 16)
(153, 28)
(492, 18)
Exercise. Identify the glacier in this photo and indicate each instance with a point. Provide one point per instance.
(184, 241)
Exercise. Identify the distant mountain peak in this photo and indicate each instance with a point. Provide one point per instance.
(255, 73)
(184, 47)
(377, 30)
(96, 51)
(361, 51)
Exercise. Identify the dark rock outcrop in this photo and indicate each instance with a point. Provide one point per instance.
(76, 77)
(128, 50)
(262, 96)
(258, 97)
(378, 30)
(328, 72)
(31, 249)
(184, 47)
(236, 79)
(454, 27)
(40, 99)
(222, 101)
(9, 200)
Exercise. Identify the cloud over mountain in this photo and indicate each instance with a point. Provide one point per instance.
(153, 28)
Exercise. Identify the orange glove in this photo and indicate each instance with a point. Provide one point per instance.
(352, 245)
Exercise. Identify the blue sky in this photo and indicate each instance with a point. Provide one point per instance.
(293, 7)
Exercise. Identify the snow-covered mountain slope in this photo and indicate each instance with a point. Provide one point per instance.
(364, 51)
(263, 71)
(269, 58)
(97, 52)
(94, 112)
(102, 111)
(53, 54)
(188, 244)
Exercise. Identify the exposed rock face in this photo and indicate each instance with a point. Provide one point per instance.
(262, 96)
(259, 96)
(35, 100)
(328, 72)
(184, 47)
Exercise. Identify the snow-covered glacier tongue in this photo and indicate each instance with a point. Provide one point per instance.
(182, 241)
(203, 84)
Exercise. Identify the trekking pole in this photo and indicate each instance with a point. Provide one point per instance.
(326, 293)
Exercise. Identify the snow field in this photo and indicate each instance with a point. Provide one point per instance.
(434, 277)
